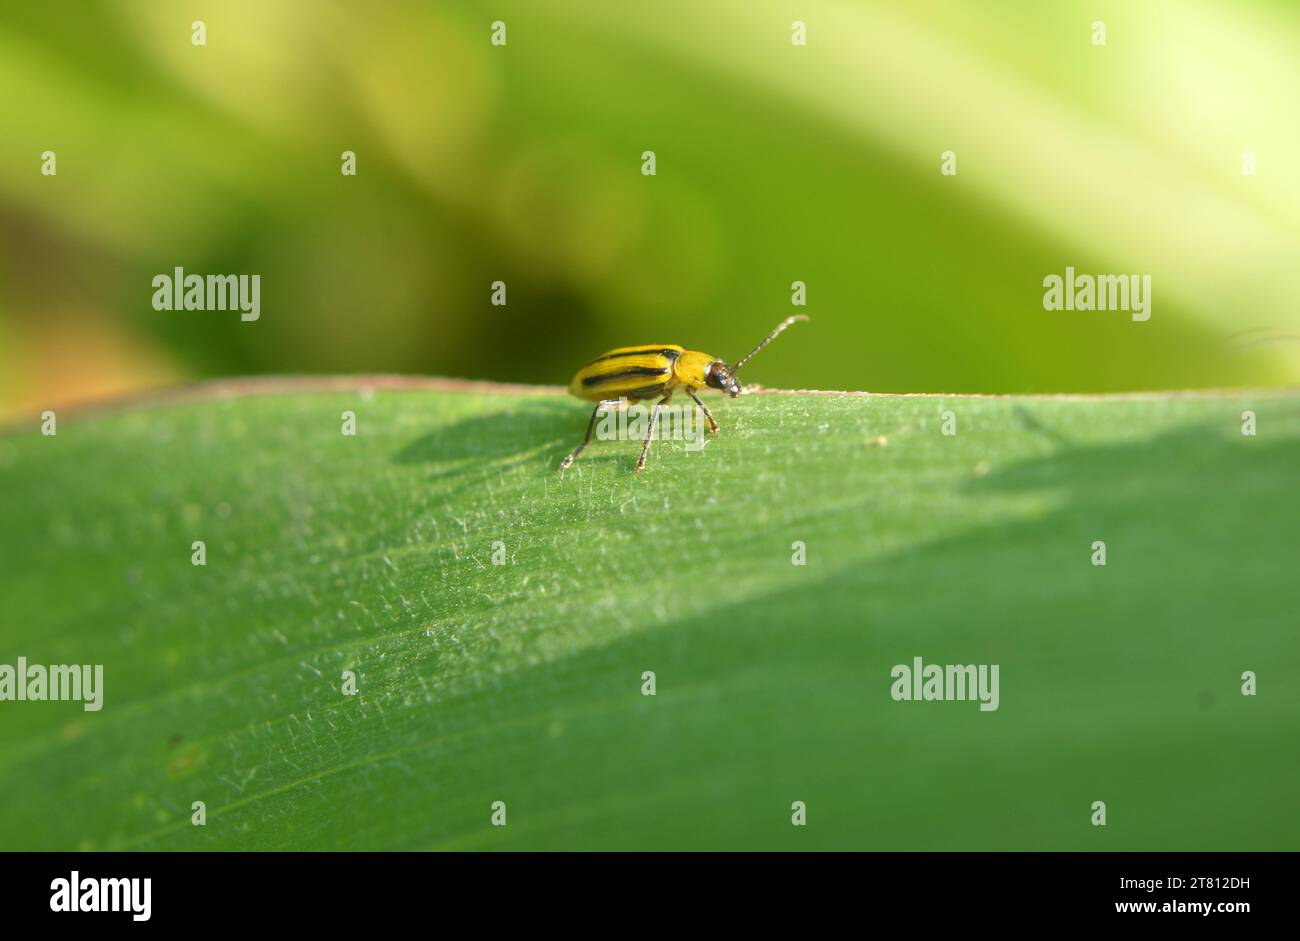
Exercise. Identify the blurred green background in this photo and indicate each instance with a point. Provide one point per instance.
(775, 163)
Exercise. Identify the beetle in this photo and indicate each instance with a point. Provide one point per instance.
(656, 370)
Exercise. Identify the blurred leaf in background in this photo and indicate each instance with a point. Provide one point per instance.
(522, 163)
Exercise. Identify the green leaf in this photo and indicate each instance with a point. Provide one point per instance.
(522, 682)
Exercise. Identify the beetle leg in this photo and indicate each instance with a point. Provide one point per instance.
(591, 427)
(713, 426)
(654, 422)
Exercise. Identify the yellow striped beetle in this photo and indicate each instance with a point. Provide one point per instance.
(656, 371)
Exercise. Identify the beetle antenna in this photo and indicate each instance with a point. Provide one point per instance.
(770, 337)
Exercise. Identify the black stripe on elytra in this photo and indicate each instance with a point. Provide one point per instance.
(648, 392)
(671, 354)
(622, 374)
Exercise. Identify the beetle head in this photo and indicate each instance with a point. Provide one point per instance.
(719, 376)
